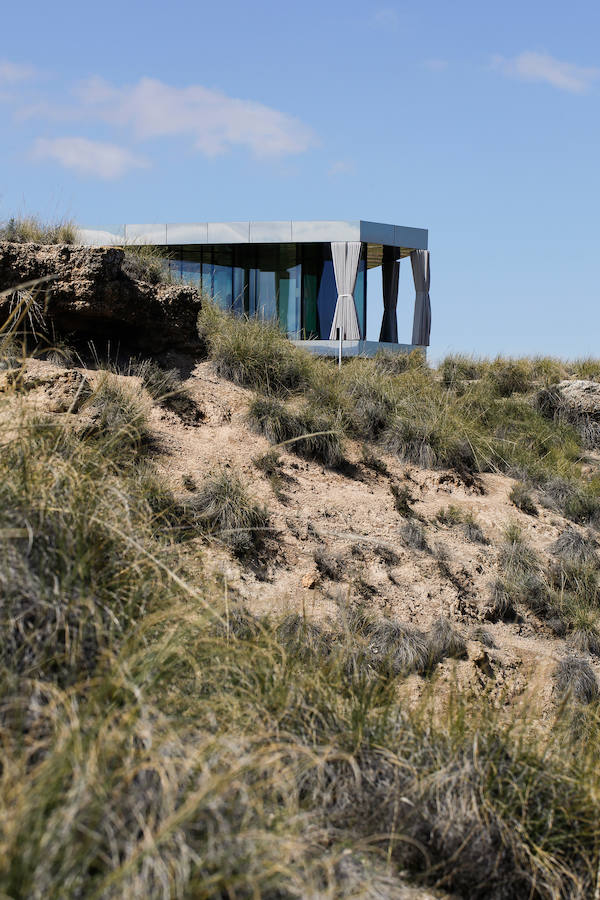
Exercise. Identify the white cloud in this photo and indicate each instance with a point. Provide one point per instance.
(88, 157)
(12, 73)
(214, 121)
(530, 66)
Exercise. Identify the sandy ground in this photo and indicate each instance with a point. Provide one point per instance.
(353, 517)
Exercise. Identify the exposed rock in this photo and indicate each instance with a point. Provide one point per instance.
(576, 403)
(94, 295)
(581, 397)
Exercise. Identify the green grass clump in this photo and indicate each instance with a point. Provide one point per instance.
(118, 416)
(470, 415)
(253, 353)
(223, 508)
(166, 388)
(160, 740)
(303, 431)
(32, 230)
(458, 368)
(144, 262)
(522, 499)
(453, 516)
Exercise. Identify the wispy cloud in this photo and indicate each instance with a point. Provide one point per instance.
(12, 72)
(531, 66)
(214, 121)
(86, 157)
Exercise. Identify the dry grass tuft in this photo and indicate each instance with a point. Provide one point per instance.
(223, 508)
(575, 679)
(32, 230)
(304, 432)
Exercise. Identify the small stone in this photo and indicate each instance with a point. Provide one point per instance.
(309, 580)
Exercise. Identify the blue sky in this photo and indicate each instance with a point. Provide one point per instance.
(479, 121)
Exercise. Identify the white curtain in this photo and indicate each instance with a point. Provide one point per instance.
(346, 255)
(390, 271)
(422, 320)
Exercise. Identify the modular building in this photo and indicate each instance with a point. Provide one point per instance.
(309, 276)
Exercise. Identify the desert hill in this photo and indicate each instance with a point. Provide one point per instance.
(274, 630)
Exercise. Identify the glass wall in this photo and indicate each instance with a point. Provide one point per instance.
(293, 284)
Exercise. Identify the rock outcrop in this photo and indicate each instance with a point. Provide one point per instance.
(575, 403)
(96, 292)
(581, 397)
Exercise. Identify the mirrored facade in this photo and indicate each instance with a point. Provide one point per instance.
(291, 283)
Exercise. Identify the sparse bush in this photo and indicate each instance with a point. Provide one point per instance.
(444, 640)
(573, 547)
(575, 679)
(588, 369)
(454, 516)
(388, 363)
(397, 648)
(304, 432)
(522, 499)
(328, 564)
(371, 461)
(118, 414)
(166, 388)
(31, 230)
(253, 353)
(144, 262)
(457, 368)
(271, 466)
(413, 536)
(223, 508)
(484, 637)
(403, 499)
(386, 554)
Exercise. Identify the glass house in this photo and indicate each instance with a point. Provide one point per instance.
(281, 270)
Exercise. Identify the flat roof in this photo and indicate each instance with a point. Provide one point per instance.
(257, 233)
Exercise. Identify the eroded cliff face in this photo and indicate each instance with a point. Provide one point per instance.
(96, 292)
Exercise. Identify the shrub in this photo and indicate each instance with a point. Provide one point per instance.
(31, 230)
(484, 637)
(389, 363)
(575, 679)
(253, 353)
(304, 432)
(414, 538)
(328, 564)
(223, 508)
(144, 262)
(402, 499)
(510, 376)
(457, 368)
(444, 640)
(573, 547)
(166, 388)
(522, 499)
(397, 648)
(119, 415)
(502, 602)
